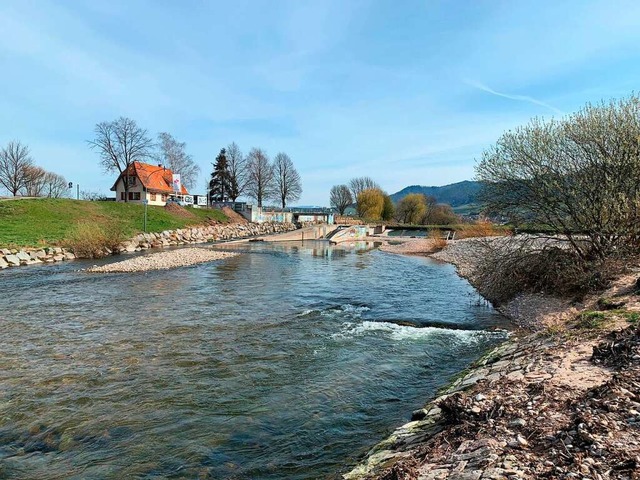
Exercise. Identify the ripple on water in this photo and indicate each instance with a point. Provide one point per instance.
(280, 363)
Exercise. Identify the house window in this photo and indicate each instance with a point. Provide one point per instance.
(132, 181)
(164, 197)
(154, 197)
(122, 197)
(134, 195)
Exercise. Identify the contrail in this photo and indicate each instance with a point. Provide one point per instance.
(520, 98)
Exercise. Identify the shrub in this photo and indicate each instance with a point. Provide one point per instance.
(512, 266)
(577, 176)
(91, 240)
(481, 228)
(438, 242)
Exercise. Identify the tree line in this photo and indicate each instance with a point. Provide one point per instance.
(20, 176)
(254, 176)
(121, 142)
(373, 203)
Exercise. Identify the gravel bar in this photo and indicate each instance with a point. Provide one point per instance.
(163, 261)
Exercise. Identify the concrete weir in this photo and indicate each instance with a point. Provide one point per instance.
(314, 232)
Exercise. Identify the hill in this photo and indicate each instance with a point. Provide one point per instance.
(455, 194)
(46, 221)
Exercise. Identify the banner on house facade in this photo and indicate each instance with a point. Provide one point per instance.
(177, 186)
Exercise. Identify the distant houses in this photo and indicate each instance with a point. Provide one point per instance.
(153, 183)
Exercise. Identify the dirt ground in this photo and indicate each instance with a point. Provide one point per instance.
(234, 217)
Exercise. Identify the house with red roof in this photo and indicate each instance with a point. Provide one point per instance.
(153, 183)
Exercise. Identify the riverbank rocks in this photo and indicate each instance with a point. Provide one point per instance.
(145, 241)
(204, 234)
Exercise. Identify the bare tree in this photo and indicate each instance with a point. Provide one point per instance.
(55, 186)
(359, 184)
(237, 168)
(14, 164)
(120, 143)
(34, 181)
(173, 155)
(340, 198)
(260, 176)
(287, 182)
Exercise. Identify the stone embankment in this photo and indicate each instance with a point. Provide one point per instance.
(163, 260)
(16, 258)
(145, 241)
(213, 233)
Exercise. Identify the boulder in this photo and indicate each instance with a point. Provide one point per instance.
(12, 260)
(23, 256)
(3, 263)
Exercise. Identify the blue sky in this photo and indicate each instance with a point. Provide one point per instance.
(406, 92)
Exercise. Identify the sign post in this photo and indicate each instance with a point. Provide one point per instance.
(145, 201)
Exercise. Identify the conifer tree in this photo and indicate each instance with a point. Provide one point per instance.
(220, 184)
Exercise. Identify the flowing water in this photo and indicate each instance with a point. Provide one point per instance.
(286, 362)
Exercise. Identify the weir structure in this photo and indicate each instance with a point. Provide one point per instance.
(313, 232)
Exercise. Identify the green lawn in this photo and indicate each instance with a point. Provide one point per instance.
(46, 221)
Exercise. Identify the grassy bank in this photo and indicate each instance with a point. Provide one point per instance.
(37, 222)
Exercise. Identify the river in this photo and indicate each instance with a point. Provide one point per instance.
(286, 362)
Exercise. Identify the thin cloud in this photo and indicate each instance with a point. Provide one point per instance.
(519, 98)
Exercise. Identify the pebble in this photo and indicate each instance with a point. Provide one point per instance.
(518, 422)
(163, 260)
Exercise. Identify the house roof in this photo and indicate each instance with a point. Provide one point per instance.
(154, 178)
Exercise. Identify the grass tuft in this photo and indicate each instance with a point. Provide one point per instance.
(90, 240)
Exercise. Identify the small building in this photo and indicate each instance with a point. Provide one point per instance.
(153, 183)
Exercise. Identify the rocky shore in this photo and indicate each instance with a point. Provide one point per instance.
(204, 234)
(163, 260)
(16, 258)
(145, 241)
(562, 402)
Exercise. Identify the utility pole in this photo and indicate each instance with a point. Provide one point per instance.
(77, 191)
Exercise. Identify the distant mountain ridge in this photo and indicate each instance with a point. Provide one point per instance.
(455, 194)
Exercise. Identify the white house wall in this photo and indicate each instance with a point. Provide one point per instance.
(143, 195)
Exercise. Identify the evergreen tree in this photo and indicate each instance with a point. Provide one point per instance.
(220, 184)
